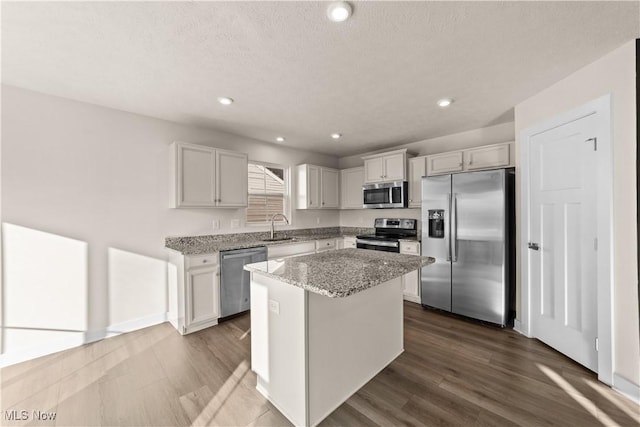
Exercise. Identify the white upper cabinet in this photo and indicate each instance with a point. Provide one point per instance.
(317, 187)
(351, 181)
(487, 157)
(492, 156)
(206, 177)
(330, 187)
(232, 178)
(384, 167)
(444, 163)
(417, 169)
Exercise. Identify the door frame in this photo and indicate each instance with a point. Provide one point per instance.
(601, 107)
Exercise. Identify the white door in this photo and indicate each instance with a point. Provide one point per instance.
(562, 245)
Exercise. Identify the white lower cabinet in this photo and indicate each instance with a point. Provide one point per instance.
(291, 249)
(194, 291)
(411, 281)
(325, 245)
(349, 242)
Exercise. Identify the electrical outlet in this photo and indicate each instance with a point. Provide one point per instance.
(235, 223)
(274, 306)
(318, 220)
(216, 224)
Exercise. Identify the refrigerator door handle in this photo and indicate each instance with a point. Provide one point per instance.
(454, 228)
(447, 234)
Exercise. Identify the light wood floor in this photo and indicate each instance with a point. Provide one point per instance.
(453, 372)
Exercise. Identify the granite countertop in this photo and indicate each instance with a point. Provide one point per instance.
(341, 272)
(199, 245)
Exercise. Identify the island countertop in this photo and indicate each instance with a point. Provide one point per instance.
(342, 272)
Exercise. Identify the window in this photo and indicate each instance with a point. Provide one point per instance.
(268, 193)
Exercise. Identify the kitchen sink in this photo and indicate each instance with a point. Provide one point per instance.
(278, 239)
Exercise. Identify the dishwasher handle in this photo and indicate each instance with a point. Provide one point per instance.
(243, 253)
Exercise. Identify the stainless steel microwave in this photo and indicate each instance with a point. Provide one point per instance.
(385, 195)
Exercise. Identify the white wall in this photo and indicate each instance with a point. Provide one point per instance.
(87, 187)
(459, 141)
(612, 74)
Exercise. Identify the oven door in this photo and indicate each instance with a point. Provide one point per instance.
(377, 245)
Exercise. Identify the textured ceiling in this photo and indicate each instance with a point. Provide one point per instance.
(292, 72)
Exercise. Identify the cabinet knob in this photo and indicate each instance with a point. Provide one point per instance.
(410, 200)
(204, 261)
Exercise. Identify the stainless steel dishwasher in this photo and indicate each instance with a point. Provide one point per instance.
(234, 280)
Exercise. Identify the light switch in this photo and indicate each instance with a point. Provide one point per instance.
(274, 306)
(235, 223)
(216, 224)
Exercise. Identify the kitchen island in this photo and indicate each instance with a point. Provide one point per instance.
(322, 325)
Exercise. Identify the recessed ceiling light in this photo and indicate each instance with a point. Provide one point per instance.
(280, 139)
(445, 102)
(339, 11)
(225, 101)
(336, 135)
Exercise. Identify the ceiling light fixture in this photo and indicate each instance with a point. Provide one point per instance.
(280, 139)
(339, 11)
(445, 102)
(336, 135)
(225, 101)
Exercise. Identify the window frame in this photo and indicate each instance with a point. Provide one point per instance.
(287, 194)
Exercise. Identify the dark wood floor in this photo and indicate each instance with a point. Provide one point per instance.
(453, 372)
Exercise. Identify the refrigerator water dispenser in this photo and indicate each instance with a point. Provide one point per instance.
(436, 223)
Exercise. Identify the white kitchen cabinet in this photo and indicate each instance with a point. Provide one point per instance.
(291, 249)
(444, 163)
(492, 156)
(206, 177)
(194, 291)
(351, 182)
(411, 281)
(231, 179)
(349, 242)
(417, 169)
(330, 188)
(486, 157)
(384, 167)
(317, 187)
(325, 245)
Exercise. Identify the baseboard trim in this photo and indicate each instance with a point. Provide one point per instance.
(517, 326)
(87, 337)
(626, 388)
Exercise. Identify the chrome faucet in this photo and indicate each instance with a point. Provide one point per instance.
(273, 218)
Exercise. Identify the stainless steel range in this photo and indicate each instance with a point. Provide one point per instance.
(389, 232)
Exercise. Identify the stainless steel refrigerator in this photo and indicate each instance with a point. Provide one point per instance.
(468, 226)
